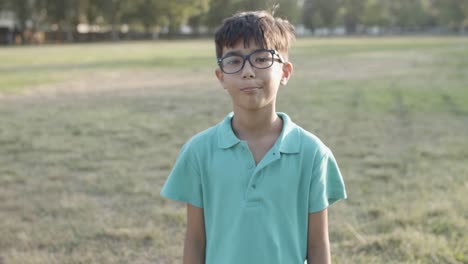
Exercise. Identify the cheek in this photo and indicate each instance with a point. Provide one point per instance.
(276, 74)
(232, 81)
(275, 78)
(230, 84)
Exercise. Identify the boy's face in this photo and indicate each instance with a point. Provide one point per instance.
(252, 88)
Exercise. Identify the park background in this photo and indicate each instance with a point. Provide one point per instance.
(95, 105)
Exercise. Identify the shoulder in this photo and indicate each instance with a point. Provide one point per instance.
(202, 139)
(205, 140)
(215, 136)
(197, 147)
(310, 144)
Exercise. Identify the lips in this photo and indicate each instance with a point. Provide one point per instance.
(249, 89)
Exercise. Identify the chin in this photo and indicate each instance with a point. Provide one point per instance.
(253, 107)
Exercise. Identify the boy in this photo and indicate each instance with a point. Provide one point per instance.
(257, 186)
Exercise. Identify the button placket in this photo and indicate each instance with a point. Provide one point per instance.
(253, 176)
(272, 157)
(249, 169)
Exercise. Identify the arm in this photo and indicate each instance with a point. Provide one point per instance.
(318, 245)
(194, 246)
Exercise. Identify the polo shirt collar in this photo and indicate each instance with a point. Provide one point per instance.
(288, 141)
(226, 136)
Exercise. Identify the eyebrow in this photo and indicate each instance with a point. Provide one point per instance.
(232, 53)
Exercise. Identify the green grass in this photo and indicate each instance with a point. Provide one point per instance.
(81, 171)
(104, 53)
(22, 67)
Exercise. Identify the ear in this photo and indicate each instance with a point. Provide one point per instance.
(287, 72)
(220, 75)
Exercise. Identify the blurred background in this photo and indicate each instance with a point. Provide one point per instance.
(43, 21)
(97, 98)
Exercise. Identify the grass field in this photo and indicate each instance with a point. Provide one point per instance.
(88, 135)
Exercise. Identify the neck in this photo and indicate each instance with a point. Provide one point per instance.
(255, 124)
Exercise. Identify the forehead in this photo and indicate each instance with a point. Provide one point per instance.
(242, 46)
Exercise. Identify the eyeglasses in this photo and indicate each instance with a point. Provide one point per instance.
(260, 59)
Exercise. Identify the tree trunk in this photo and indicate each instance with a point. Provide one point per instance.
(114, 33)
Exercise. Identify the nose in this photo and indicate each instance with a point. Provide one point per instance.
(247, 71)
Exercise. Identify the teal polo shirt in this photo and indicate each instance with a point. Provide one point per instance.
(255, 213)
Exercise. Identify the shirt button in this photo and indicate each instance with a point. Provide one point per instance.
(254, 186)
(251, 166)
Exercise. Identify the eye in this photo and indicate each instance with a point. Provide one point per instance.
(262, 59)
(234, 60)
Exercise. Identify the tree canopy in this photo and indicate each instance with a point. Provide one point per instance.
(154, 15)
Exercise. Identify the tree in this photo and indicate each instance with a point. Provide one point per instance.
(177, 13)
(221, 9)
(248, 5)
(4, 4)
(63, 13)
(351, 12)
(308, 14)
(148, 13)
(89, 11)
(374, 13)
(452, 13)
(218, 11)
(23, 10)
(290, 10)
(112, 11)
(320, 13)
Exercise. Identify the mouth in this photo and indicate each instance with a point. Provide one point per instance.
(249, 89)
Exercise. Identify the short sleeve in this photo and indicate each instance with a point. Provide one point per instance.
(327, 185)
(184, 182)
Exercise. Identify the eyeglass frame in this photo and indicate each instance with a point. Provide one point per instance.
(247, 58)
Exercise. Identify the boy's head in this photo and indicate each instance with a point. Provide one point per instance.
(263, 41)
(259, 27)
